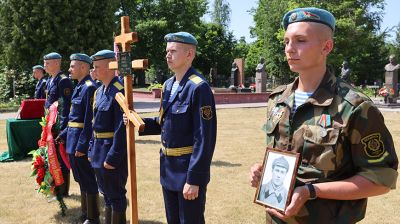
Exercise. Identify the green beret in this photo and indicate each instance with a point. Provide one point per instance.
(80, 57)
(51, 56)
(38, 67)
(181, 37)
(282, 162)
(309, 15)
(103, 54)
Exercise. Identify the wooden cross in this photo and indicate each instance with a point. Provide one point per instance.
(126, 102)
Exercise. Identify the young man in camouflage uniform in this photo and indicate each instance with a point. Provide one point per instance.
(344, 158)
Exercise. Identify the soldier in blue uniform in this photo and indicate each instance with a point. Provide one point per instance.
(39, 74)
(187, 123)
(59, 88)
(108, 148)
(78, 135)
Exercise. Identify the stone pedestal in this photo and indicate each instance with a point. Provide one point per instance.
(234, 80)
(261, 81)
(213, 76)
(391, 80)
(240, 64)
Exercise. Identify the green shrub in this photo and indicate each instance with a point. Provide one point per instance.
(20, 83)
(367, 91)
(154, 86)
(9, 106)
(151, 75)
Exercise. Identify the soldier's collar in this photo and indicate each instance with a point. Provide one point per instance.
(84, 80)
(323, 95)
(185, 78)
(288, 91)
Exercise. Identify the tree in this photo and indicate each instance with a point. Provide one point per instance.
(34, 28)
(221, 13)
(253, 55)
(394, 46)
(154, 19)
(269, 33)
(356, 38)
(241, 50)
(31, 29)
(215, 50)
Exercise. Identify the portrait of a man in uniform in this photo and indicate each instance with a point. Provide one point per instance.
(276, 181)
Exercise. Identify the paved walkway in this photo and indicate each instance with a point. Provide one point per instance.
(4, 116)
(145, 105)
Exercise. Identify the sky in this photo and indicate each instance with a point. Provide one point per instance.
(241, 19)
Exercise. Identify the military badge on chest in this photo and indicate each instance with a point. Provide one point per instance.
(324, 122)
(206, 112)
(373, 145)
(277, 114)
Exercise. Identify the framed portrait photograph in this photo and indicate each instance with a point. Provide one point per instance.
(277, 180)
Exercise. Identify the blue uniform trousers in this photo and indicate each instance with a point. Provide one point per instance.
(83, 173)
(182, 211)
(112, 185)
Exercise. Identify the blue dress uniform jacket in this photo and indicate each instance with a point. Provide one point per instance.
(187, 121)
(78, 134)
(40, 89)
(79, 130)
(60, 87)
(109, 133)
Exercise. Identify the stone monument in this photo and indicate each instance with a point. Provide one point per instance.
(391, 78)
(234, 75)
(240, 64)
(213, 76)
(261, 76)
(345, 74)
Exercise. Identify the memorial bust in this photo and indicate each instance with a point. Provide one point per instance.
(345, 73)
(261, 65)
(392, 66)
(234, 67)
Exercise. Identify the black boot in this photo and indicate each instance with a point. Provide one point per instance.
(83, 207)
(118, 218)
(65, 192)
(60, 190)
(93, 209)
(107, 215)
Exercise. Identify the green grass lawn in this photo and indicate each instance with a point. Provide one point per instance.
(240, 143)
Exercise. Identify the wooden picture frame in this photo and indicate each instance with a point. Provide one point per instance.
(277, 180)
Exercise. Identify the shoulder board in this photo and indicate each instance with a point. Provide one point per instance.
(350, 94)
(88, 83)
(196, 79)
(118, 86)
(278, 89)
(63, 76)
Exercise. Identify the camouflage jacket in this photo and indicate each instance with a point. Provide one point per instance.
(336, 139)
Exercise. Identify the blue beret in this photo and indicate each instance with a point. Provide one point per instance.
(103, 54)
(52, 55)
(80, 57)
(309, 15)
(181, 37)
(38, 67)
